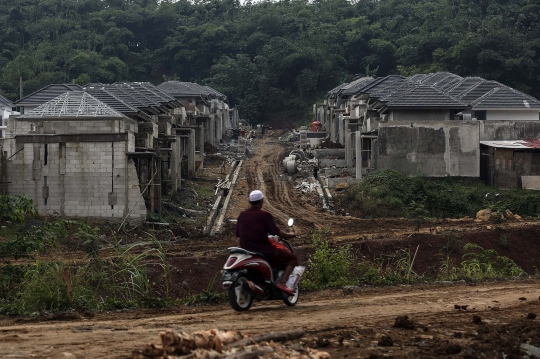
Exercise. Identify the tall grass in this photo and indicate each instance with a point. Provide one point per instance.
(120, 280)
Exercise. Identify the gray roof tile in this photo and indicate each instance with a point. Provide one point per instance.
(477, 91)
(179, 88)
(352, 87)
(111, 100)
(379, 84)
(505, 97)
(46, 93)
(417, 77)
(336, 89)
(447, 83)
(463, 85)
(437, 77)
(423, 96)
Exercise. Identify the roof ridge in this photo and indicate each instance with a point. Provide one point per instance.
(484, 96)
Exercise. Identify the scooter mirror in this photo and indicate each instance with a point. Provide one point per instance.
(290, 222)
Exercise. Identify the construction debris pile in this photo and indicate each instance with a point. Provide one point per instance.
(308, 185)
(292, 136)
(218, 344)
(327, 143)
(486, 215)
(230, 150)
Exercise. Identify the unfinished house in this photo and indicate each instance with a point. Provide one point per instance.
(206, 110)
(72, 159)
(429, 123)
(163, 149)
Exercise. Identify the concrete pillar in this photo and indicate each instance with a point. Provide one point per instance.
(348, 147)
(212, 131)
(191, 154)
(303, 140)
(219, 130)
(332, 129)
(3, 171)
(201, 138)
(358, 141)
(176, 160)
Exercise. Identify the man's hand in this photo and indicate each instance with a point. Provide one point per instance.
(286, 235)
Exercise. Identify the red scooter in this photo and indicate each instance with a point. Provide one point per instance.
(248, 276)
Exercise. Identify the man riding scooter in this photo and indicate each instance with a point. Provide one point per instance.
(253, 227)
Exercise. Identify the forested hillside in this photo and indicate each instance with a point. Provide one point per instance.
(273, 59)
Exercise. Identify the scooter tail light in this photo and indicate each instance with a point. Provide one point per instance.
(230, 261)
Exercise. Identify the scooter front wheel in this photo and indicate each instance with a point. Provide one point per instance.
(293, 299)
(239, 298)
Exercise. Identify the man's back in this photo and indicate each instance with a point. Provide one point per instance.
(253, 227)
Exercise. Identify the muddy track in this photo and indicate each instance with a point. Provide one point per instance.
(264, 171)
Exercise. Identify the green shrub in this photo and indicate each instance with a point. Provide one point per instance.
(389, 193)
(36, 238)
(16, 208)
(327, 266)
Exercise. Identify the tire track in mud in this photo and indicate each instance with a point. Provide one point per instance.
(281, 198)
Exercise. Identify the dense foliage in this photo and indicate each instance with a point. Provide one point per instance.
(273, 59)
(389, 193)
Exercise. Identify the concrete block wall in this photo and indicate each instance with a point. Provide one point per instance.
(434, 148)
(88, 179)
(509, 130)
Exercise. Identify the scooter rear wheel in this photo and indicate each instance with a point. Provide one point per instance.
(293, 299)
(239, 299)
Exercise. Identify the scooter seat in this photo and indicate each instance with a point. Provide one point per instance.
(233, 250)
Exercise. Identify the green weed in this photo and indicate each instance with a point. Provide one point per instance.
(327, 267)
(208, 296)
(16, 208)
(504, 241)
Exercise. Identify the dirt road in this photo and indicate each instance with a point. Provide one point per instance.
(491, 319)
(345, 324)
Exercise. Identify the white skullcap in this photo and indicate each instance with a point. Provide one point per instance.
(256, 196)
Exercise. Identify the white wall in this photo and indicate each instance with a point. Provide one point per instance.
(512, 115)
